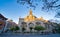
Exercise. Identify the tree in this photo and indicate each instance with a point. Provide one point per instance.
(38, 28)
(58, 29)
(47, 5)
(50, 5)
(12, 28)
(17, 28)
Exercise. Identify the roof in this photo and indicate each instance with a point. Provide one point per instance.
(1, 16)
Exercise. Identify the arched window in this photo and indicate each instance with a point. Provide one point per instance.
(24, 24)
(31, 24)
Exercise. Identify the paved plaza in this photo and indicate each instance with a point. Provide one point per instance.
(27, 35)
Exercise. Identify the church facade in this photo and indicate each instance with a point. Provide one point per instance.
(31, 21)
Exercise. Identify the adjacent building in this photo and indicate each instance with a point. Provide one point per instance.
(2, 22)
(6, 24)
(10, 24)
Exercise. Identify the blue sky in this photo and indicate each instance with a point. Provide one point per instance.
(12, 10)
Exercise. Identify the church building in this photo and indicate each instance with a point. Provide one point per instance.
(31, 21)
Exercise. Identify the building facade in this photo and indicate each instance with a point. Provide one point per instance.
(31, 21)
(10, 24)
(2, 22)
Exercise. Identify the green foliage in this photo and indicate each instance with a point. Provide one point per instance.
(14, 28)
(38, 28)
(58, 30)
